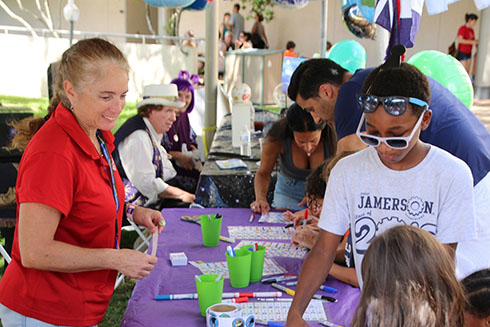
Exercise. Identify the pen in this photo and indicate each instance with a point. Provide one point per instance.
(292, 224)
(328, 324)
(267, 299)
(269, 323)
(251, 218)
(226, 239)
(197, 221)
(277, 279)
(292, 283)
(176, 297)
(284, 289)
(230, 251)
(328, 289)
(252, 294)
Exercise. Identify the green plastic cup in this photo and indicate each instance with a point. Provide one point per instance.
(209, 291)
(239, 268)
(210, 229)
(257, 263)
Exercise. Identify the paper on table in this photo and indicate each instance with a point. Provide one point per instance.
(231, 164)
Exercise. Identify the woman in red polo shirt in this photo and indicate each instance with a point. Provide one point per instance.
(466, 40)
(70, 199)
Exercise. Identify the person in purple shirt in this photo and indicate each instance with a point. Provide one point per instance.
(328, 92)
(181, 135)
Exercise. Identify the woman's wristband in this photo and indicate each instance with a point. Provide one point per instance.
(130, 211)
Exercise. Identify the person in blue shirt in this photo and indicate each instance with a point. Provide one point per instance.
(328, 92)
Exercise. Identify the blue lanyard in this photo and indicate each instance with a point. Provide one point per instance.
(105, 152)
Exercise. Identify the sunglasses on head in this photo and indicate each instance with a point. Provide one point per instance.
(397, 143)
(393, 105)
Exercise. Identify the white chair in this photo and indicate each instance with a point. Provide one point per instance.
(5, 255)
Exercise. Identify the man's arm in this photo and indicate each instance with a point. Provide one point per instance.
(314, 271)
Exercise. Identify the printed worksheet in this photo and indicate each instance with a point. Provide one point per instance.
(278, 249)
(271, 267)
(260, 233)
(278, 311)
(273, 217)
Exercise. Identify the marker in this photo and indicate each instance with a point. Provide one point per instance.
(197, 278)
(325, 298)
(305, 217)
(284, 289)
(328, 289)
(269, 323)
(278, 279)
(226, 239)
(292, 224)
(328, 324)
(252, 216)
(292, 283)
(230, 251)
(236, 300)
(176, 297)
(197, 221)
(252, 294)
(218, 278)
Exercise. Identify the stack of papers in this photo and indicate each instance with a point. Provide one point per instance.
(231, 164)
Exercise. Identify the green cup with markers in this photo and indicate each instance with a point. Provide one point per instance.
(239, 262)
(257, 261)
(210, 229)
(209, 291)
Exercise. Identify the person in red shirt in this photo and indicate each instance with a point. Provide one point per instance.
(466, 40)
(70, 199)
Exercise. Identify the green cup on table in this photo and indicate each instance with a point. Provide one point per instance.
(209, 291)
(210, 229)
(239, 268)
(257, 262)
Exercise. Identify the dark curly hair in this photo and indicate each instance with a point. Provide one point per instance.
(406, 80)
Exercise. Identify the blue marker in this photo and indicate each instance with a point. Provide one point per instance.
(269, 323)
(328, 289)
(230, 251)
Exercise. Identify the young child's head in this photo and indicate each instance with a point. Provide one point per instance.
(409, 280)
(316, 183)
(477, 299)
(290, 45)
(394, 101)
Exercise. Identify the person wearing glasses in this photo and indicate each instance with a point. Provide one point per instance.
(328, 92)
(397, 180)
(70, 199)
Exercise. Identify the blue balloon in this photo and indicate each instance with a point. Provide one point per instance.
(197, 5)
(170, 3)
(349, 54)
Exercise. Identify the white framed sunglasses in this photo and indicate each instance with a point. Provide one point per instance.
(397, 143)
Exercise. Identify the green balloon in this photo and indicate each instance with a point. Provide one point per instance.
(446, 70)
(349, 54)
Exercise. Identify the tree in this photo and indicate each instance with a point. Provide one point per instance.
(45, 15)
(263, 7)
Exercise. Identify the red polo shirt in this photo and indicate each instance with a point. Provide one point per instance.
(62, 169)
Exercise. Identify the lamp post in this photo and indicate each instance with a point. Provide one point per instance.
(71, 13)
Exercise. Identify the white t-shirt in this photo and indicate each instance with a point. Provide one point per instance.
(136, 153)
(436, 195)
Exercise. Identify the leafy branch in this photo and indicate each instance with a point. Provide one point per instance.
(263, 7)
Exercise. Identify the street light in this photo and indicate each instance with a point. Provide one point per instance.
(71, 13)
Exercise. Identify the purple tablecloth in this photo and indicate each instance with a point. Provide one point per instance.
(180, 236)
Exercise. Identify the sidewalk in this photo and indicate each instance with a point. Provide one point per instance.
(481, 109)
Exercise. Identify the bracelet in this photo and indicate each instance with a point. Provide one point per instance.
(130, 211)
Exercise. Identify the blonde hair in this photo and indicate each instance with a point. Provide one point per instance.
(80, 64)
(409, 280)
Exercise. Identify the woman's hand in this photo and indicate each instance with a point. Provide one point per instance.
(149, 218)
(260, 206)
(135, 264)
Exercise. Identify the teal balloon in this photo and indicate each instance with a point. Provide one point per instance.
(349, 54)
(446, 70)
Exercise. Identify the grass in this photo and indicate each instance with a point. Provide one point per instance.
(119, 301)
(40, 105)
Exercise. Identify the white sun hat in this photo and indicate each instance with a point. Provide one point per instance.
(162, 95)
